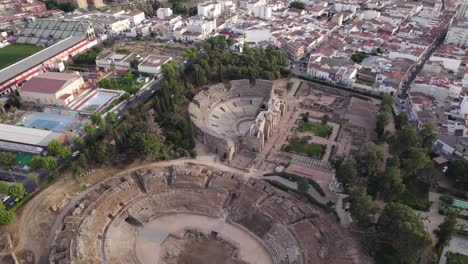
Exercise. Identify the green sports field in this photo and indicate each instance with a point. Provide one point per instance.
(16, 52)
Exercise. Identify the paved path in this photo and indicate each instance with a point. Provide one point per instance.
(458, 244)
(293, 185)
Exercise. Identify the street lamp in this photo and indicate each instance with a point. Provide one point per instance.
(11, 174)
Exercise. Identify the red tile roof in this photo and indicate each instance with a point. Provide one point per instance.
(48, 83)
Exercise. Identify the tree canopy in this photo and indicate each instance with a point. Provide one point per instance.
(297, 4)
(457, 171)
(38, 162)
(362, 207)
(5, 216)
(16, 190)
(6, 160)
(403, 231)
(446, 230)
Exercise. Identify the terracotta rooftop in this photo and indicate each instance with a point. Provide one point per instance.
(48, 83)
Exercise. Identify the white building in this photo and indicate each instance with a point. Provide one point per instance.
(116, 60)
(257, 35)
(438, 89)
(163, 13)
(458, 33)
(153, 63)
(251, 5)
(263, 12)
(209, 9)
(136, 17)
(200, 25)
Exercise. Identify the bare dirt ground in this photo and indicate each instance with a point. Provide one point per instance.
(174, 248)
(145, 48)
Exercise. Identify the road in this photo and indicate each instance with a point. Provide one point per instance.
(404, 91)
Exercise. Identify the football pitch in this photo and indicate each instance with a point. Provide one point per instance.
(16, 52)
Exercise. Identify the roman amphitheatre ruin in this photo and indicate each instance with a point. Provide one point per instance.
(237, 118)
(193, 213)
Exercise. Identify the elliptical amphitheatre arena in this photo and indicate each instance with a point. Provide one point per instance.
(196, 212)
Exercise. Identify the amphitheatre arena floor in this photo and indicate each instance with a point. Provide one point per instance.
(151, 238)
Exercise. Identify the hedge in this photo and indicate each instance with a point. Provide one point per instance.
(295, 178)
(306, 195)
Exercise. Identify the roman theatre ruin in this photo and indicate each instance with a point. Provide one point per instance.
(197, 214)
(236, 118)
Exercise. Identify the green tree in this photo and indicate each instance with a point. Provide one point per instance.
(414, 160)
(48, 163)
(146, 145)
(134, 64)
(5, 216)
(370, 157)
(391, 184)
(386, 105)
(103, 153)
(403, 232)
(34, 177)
(401, 120)
(6, 160)
(97, 119)
(446, 230)
(4, 187)
(111, 117)
(428, 135)
(346, 172)
(406, 138)
(54, 147)
(297, 4)
(78, 142)
(457, 171)
(191, 53)
(361, 206)
(65, 152)
(382, 122)
(16, 190)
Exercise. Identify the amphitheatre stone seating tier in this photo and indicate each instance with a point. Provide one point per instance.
(119, 240)
(289, 230)
(282, 246)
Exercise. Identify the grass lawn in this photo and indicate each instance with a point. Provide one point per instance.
(126, 82)
(416, 196)
(456, 258)
(318, 129)
(16, 52)
(301, 146)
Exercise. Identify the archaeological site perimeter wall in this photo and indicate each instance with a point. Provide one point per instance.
(234, 117)
(103, 226)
